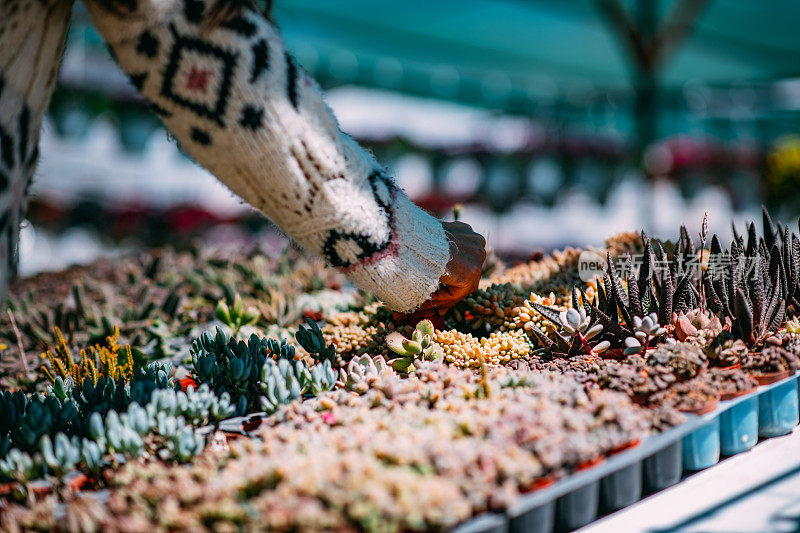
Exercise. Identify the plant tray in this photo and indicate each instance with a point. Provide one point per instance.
(658, 462)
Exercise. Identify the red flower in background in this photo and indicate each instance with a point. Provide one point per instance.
(187, 382)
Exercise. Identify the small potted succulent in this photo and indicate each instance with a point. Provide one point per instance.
(696, 396)
(772, 364)
(684, 359)
(724, 351)
(645, 331)
(731, 383)
(695, 323)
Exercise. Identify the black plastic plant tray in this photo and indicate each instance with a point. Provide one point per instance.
(658, 462)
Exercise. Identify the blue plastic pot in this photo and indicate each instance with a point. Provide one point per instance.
(739, 427)
(539, 520)
(665, 468)
(701, 448)
(578, 508)
(778, 410)
(622, 488)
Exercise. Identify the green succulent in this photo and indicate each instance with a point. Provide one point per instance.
(61, 454)
(199, 406)
(281, 349)
(231, 366)
(236, 315)
(257, 375)
(284, 381)
(92, 455)
(184, 444)
(419, 346)
(19, 466)
(311, 339)
(67, 427)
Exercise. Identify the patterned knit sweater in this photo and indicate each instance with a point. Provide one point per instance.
(238, 103)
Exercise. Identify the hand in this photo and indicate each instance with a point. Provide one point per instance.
(467, 254)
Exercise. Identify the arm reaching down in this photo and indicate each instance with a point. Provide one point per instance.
(225, 86)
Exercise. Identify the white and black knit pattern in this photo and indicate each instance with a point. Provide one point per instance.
(32, 36)
(237, 102)
(240, 106)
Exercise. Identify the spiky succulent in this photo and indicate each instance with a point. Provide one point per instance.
(578, 331)
(756, 280)
(654, 293)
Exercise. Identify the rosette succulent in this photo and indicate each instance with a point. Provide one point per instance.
(645, 330)
(691, 323)
(365, 372)
(578, 331)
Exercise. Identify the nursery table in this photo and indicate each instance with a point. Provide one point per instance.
(754, 491)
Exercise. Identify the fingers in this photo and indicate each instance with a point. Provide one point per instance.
(464, 233)
(467, 254)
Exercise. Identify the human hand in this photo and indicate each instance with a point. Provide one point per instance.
(467, 254)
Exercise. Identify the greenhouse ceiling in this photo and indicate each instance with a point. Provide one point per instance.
(506, 51)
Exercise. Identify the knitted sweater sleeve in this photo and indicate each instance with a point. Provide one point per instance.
(240, 106)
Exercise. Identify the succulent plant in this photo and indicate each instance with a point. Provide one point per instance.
(259, 374)
(488, 309)
(61, 454)
(578, 331)
(284, 381)
(365, 372)
(644, 331)
(111, 361)
(419, 346)
(19, 466)
(758, 280)
(771, 359)
(236, 315)
(693, 396)
(281, 349)
(231, 366)
(198, 406)
(685, 360)
(165, 426)
(731, 382)
(691, 323)
(311, 339)
(725, 350)
(183, 444)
